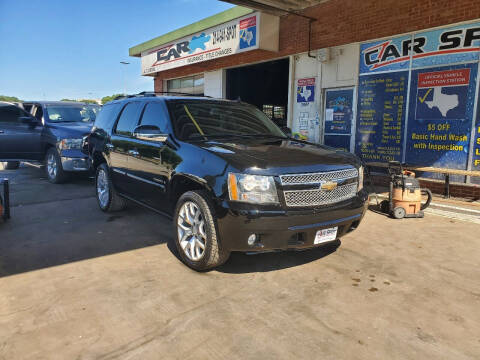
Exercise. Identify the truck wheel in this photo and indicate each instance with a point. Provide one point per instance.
(399, 212)
(12, 165)
(197, 237)
(107, 198)
(53, 167)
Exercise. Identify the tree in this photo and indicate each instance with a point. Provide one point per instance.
(106, 99)
(9, 98)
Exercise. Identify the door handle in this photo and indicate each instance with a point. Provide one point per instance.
(1, 131)
(133, 152)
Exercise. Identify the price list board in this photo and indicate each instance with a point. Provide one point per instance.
(381, 116)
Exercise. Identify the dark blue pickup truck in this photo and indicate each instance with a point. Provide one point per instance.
(50, 132)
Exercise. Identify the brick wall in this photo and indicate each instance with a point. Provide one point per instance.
(345, 21)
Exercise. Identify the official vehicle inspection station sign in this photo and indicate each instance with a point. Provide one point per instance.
(233, 37)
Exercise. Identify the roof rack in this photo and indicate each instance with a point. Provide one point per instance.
(154, 93)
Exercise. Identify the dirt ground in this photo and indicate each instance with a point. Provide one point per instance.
(79, 284)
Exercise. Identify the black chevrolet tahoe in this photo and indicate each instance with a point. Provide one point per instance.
(49, 132)
(229, 177)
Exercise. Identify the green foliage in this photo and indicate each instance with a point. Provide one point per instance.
(106, 99)
(9, 98)
(88, 101)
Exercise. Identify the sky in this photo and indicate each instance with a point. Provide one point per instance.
(50, 50)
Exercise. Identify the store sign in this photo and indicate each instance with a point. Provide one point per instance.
(432, 77)
(230, 38)
(437, 47)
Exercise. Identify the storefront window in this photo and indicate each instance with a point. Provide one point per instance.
(188, 85)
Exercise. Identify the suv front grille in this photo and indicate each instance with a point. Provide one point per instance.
(315, 195)
(317, 178)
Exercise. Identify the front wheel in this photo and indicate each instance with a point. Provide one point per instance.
(197, 238)
(107, 198)
(53, 167)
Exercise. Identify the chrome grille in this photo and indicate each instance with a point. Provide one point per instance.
(319, 197)
(317, 178)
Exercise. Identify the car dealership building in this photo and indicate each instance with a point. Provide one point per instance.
(387, 80)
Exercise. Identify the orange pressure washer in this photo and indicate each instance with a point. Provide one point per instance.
(405, 196)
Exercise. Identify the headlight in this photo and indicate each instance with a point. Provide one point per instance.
(360, 178)
(68, 144)
(252, 188)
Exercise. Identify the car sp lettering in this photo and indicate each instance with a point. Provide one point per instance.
(450, 41)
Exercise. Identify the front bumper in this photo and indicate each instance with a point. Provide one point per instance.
(287, 229)
(74, 160)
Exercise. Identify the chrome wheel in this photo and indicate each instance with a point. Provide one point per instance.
(52, 166)
(103, 193)
(191, 231)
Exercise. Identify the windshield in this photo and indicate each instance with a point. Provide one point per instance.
(199, 119)
(71, 113)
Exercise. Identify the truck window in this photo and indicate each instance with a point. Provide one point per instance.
(107, 116)
(154, 115)
(128, 119)
(10, 113)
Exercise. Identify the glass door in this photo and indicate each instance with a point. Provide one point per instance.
(339, 115)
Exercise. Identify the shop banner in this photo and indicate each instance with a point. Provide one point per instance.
(433, 48)
(441, 111)
(226, 39)
(381, 116)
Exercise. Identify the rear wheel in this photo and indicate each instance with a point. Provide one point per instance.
(107, 198)
(12, 165)
(197, 238)
(53, 167)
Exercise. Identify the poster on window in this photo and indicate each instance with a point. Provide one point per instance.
(441, 108)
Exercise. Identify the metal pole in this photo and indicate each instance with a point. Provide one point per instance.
(6, 199)
(124, 77)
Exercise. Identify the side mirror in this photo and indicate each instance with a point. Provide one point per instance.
(29, 120)
(149, 133)
(287, 131)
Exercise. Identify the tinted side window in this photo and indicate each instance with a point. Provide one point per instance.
(107, 116)
(129, 119)
(10, 114)
(154, 115)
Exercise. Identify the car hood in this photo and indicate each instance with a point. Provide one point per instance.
(70, 130)
(280, 156)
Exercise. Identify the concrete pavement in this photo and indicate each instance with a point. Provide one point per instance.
(76, 283)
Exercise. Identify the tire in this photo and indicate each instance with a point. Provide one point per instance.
(107, 198)
(202, 231)
(399, 212)
(53, 167)
(12, 165)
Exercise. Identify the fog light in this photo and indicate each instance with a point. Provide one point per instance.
(251, 239)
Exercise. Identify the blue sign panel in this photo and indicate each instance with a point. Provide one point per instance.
(441, 111)
(341, 142)
(447, 46)
(339, 111)
(381, 116)
(433, 48)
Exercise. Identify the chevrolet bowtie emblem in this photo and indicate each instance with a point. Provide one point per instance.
(328, 186)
